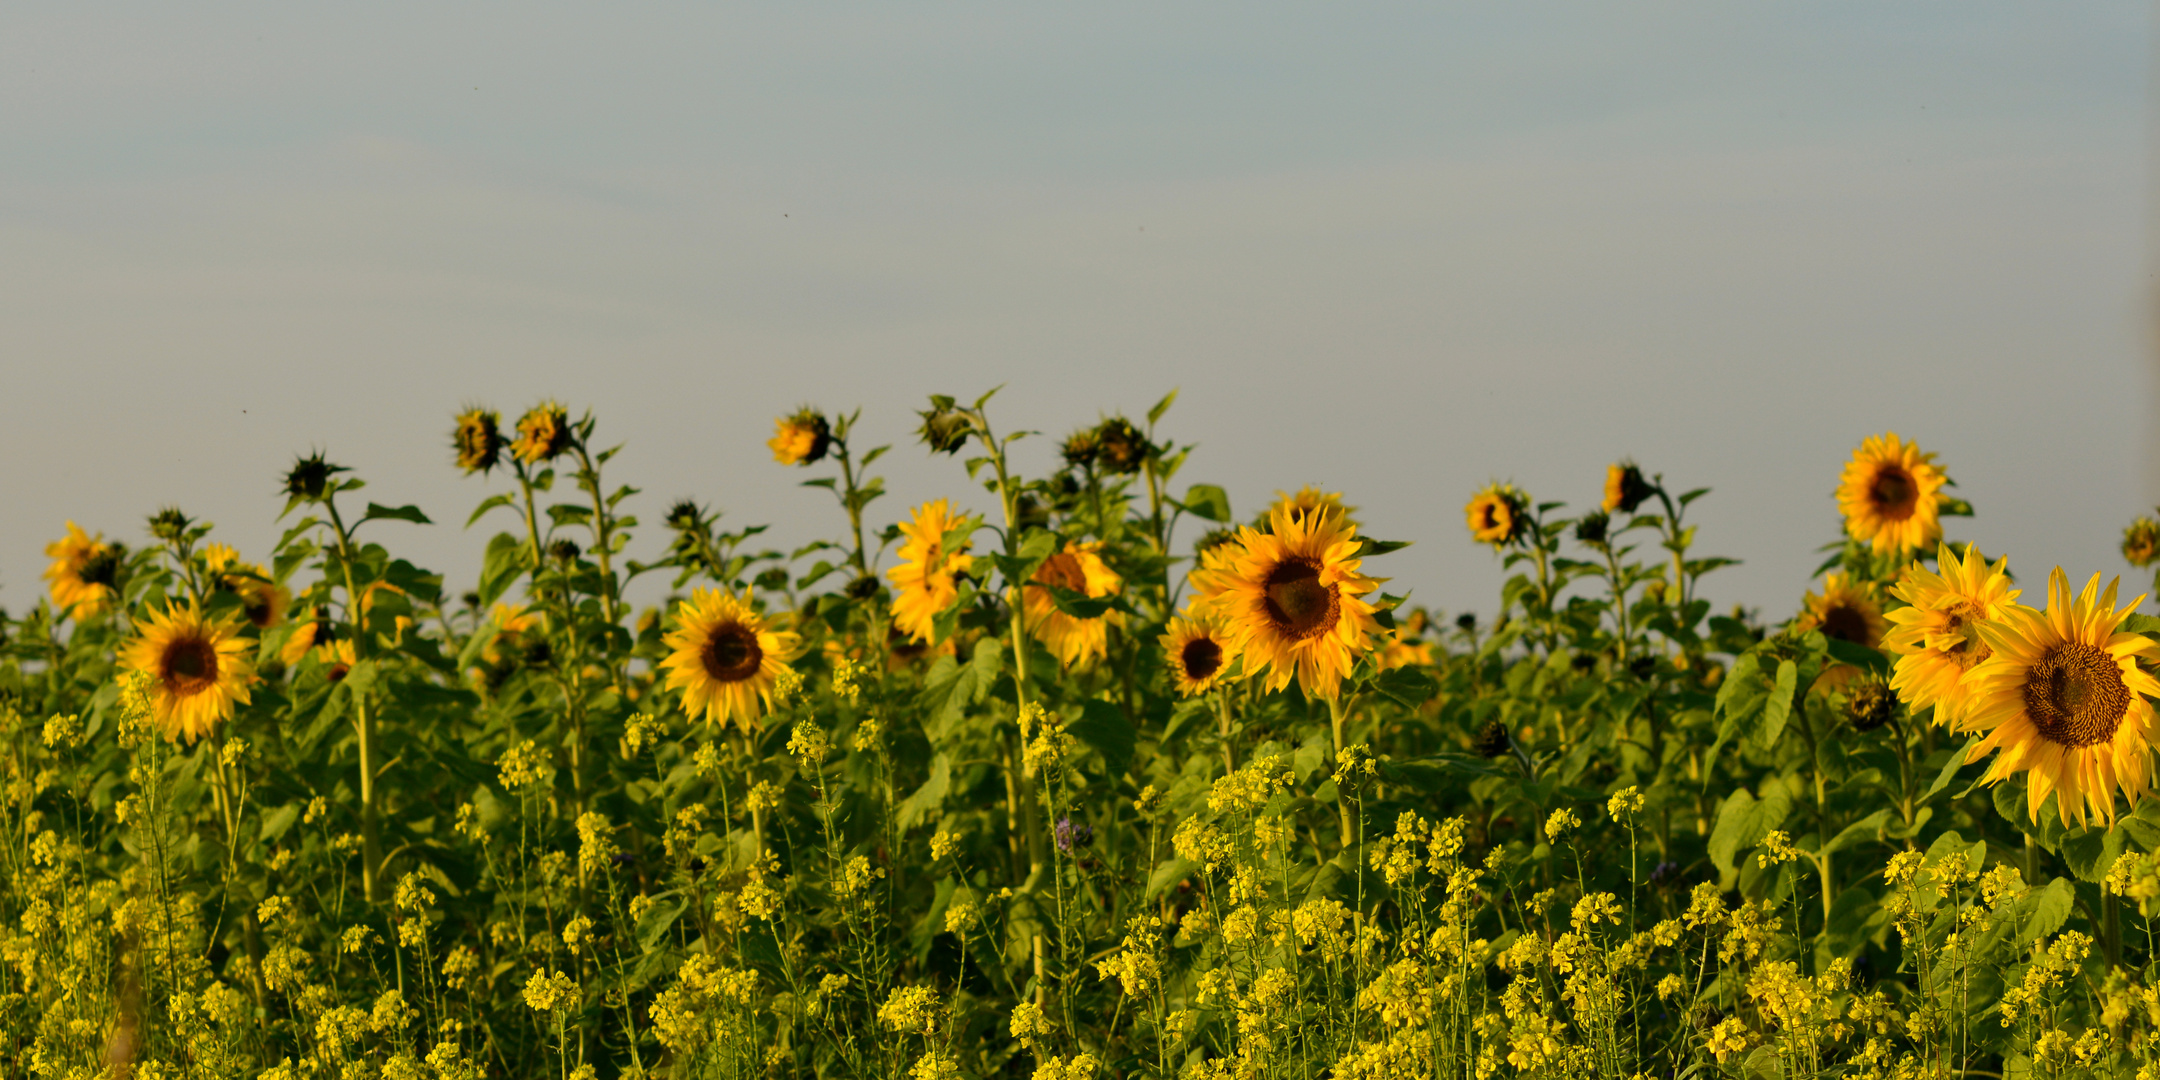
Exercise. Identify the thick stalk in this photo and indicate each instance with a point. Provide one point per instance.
(363, 722)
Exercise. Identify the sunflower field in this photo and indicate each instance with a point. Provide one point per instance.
(1067, 777)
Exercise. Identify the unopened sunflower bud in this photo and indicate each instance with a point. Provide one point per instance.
(945, 429)
(1120, 448)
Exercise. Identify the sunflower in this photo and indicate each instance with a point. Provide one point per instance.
(82, 573)
(1290, 596)
(2062, 696)
(1937, 639)
(725, 660)
(801, 439)
(543, 433)
(924, 583)
(1496, 515)
(2141, 543)
(478, 440)
(261, 599)
(1200, 649)
(198, 669)
(1402, 651)
(1888, 495)
(1071, 639)
(1846, 610)
(1625, 488)
(1310, 500)
(318, 630)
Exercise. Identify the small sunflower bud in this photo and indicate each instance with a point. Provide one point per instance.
(543, 433)
(863, 588)
(1080, 448)
(1492, 739)
(801, 439)
(944, 429)
(1119, 447)
(685, 516)
(1592, 528)
(564, 551)
(309, 478)
(478, 440)
(169, 524)
(1625, 488)
(1871, 705)
(1212, 539)
(2141, 542)
(1466, 622)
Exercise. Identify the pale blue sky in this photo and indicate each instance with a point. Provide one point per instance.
(1394, 250)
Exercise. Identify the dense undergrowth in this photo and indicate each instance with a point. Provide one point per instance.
(1213, 809)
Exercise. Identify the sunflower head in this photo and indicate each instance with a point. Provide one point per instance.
(1492, 739)
(1293, 596)
(945, 429)
(1592, 528)
(1308, 501)
(2141, 542)
(309, 478)
(1625, 488)
(2064, 699)
(1846, 610)
(197, 668)
(1498, 515)
(543, 433)
(169, 524)
(262, 600)
(724, 659)
(84, 573)
(801, 439)
(1080, 448)
(1870, 704)
(926, 580)
(1889, 495)
(1120, 448)
(1201, 651)
(478, 440)
(686, 516)
(1072, 639)
(1936, 636)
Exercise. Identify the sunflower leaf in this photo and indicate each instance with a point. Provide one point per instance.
(1778, 707)
(505, 560)
(1409, 686)
(1859, 656)
(1161, 407)
(1079, 605)
(1103, 727)
(1370, 547)
(379, 512)
(1207, 501)
(487, 504)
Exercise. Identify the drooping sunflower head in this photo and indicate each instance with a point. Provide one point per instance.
(83, 573)
(1201, 651)
(197, 666)
(1073, 640)
(945, 429)
(1498, 515)
(2141, 542)
(725, 660)
(1293, 598)
(1625, 488)
(801, 439)
(1120, 448)
(477, 439)
(925, 582)
(2063, 697)
(1311, 500)
(543, 433)
(1846, 610)
(309, 478)
(1889, 495)
(1936, 637)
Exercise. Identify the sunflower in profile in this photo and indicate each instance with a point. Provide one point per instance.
(2064, 700)
(1496, 515)
(82, 573)
(801, 439)
(1071, 639)
(1937, 639)
(198, 669)
(1200, 650)
(543, 433)
(1846, 610)
(1291, 595)
(925, 583)
(478, 440)
(1311, 500)
(1625, 488)
(725, 660)
(318, 630)
(1888, 495)
(261, 599)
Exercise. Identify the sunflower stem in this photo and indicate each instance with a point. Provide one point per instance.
(363, 723)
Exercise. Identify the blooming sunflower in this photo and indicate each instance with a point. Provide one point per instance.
(1310, 500)
(1291, 596)
(1888, 495)
(477, 440)
(1496, 515)
(82, 573)
(1200, 649)
(543, 433)
(1402, 651)
(800, 439)
(1072, 640)
(1625, 488)
(318, 630)
(725, 660)
(1846, 610)
(198, 669)
(261, 599)
(2062, 696)
(1937, 639)
(924, 584)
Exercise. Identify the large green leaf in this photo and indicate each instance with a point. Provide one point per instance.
(1103, 726)
(505, 560)
(1743, 820)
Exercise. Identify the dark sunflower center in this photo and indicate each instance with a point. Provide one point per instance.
(1300, 606)
(1846, 623)
(2076, 695)
(1893, 492)
(189, 666)
(731, 654)
(1202, 659)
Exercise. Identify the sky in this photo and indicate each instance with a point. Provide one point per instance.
(1395, 250)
